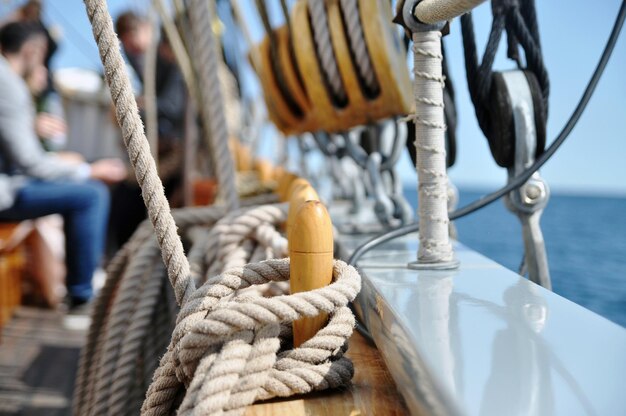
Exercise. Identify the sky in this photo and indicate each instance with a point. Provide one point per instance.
(592, 160)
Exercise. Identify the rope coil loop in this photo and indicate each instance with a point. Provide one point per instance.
(227, 355)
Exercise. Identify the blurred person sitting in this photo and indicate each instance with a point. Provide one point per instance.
(34, 183)
(50, 125)
(127, 208)
(31, 11)
(135, 34)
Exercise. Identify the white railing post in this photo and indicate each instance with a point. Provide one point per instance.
(435, 249)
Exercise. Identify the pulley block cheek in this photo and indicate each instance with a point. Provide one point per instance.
(279, 111)
(501, 132)
(291, 74)
(389, 60)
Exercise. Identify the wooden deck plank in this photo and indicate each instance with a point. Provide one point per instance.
(372, 392)
(38, 360)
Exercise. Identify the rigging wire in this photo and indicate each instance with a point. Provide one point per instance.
(520, 179)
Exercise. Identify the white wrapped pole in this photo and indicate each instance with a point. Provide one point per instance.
(435, 250)
(435, 247)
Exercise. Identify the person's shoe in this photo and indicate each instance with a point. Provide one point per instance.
(78, 306)
(77, 316)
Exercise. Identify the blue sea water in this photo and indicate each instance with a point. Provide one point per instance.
(585, 240)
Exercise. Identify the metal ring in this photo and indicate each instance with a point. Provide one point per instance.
(412, 23)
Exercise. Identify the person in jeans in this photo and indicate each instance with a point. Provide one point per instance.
(34, 183)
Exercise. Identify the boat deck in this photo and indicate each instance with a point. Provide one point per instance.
(39, 352)
(481, 340)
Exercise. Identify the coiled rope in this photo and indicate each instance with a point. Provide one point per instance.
(224, 353)
(225, 348)
(135, 314)
(125, 301)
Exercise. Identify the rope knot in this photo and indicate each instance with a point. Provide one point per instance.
(225, 348)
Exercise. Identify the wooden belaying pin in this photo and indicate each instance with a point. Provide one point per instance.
(245, 158)
(265, 170)
(300, 191)
(311, 256)
(284, 182)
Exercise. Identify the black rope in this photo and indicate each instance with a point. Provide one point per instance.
(519, 19)
(532, 51)
(479, 77)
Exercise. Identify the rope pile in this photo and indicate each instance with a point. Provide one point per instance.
(136, 313)
(224, 351)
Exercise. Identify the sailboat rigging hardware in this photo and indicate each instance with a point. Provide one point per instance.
(529, 200)
(521, 178)
(518, 180)
(218, 336)
(378, 157)
(489, 96)
(337, 78)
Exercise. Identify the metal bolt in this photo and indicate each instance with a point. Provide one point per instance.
(533, 192)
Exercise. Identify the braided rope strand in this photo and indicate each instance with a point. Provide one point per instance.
(137, 146)
(214, 355)
(212, 108)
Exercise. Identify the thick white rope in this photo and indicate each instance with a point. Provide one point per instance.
(134, 316)
(138, 149)
(435, 11)
(430, 129)
(225, 349)
(149, 88)
(127, 313)
(212, 108)
(120, 356)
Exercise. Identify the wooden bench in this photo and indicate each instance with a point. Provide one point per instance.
(12, 263)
